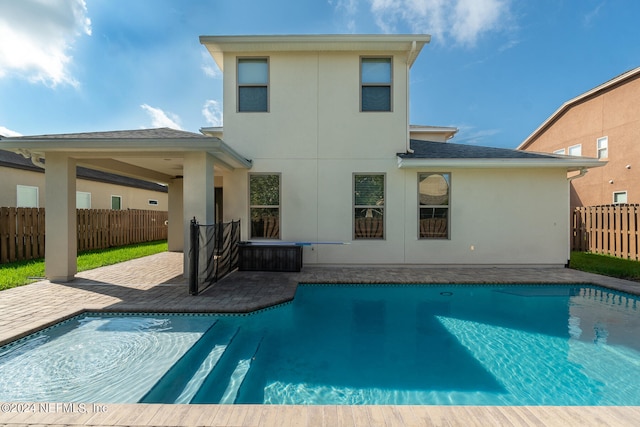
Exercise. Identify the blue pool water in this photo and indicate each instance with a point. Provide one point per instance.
(349, 344)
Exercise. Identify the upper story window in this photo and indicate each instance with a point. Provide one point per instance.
(575, 150)
(253, 85)
(375, 84)
(603, 147)
(560, 151)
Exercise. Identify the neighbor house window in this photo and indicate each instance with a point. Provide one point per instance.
(264, 205)
(620, 197)
(603, 147)
(560, 151)
(575, 150)
(116, 203)
(433, 200)
(375, 84)
(253, 85)
(368, 206)
(83, 200)
(27, 196)
(153, 202)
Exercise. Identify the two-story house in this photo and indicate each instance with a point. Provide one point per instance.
(603, 122)
(317, 148)
(325, 120)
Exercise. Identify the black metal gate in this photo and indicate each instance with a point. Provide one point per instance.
(213, 253)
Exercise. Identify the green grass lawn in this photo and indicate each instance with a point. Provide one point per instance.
(605, 265)
(21, 273)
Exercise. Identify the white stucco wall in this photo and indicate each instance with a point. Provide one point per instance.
(315, 136)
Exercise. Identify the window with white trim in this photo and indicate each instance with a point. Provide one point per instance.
(253, 85)
(375, 84)
(27, 196)
(433, 205)
(116, 203)
(152, 202)
(264, 205)
(575, 150)
(83, 200)
(560, 151)
(603, 147)
(619, 197)
(368, 205)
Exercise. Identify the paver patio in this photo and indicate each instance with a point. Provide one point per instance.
(155, 283)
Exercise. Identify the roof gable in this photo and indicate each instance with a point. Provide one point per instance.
(598, 90)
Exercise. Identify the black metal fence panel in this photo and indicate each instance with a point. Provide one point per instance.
(213, 253)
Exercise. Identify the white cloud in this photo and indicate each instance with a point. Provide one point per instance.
(474, 136)
(212, 112)
(592, 15)
(160, 119)
(36, 37)
(348, 9)
(462, 20)
(8, 132)
(208, 66)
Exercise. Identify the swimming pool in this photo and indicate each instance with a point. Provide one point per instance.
(349, 344)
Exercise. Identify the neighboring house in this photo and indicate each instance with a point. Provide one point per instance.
(325, 120)
(604, 123)
(22, 185)
(318, 149)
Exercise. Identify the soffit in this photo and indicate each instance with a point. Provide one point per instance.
(412, 44)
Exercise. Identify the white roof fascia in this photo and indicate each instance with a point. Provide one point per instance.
(412, 44)
(127, 147)
(569, 164)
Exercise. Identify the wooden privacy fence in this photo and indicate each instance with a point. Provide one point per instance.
(22, 231)
(608, 229)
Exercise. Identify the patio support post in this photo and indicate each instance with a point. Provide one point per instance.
(198, 198)
(175, 240)
(60, 221)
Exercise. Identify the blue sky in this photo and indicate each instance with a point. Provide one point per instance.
(495, 69)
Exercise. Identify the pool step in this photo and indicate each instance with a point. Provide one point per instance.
(224, 381)
(183, 379)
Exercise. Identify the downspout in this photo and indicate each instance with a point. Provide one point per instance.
(583, 172)
(410, 57)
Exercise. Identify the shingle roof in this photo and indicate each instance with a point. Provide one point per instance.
(448, 150)
(13, 160)
(158, 133)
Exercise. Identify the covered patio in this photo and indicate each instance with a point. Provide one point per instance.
(185, 162)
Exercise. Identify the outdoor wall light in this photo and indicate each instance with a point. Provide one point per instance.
(610, 181)
(628, 166)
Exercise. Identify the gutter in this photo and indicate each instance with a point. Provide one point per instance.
(571, 165)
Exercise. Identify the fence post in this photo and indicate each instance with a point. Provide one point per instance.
(194, 254)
